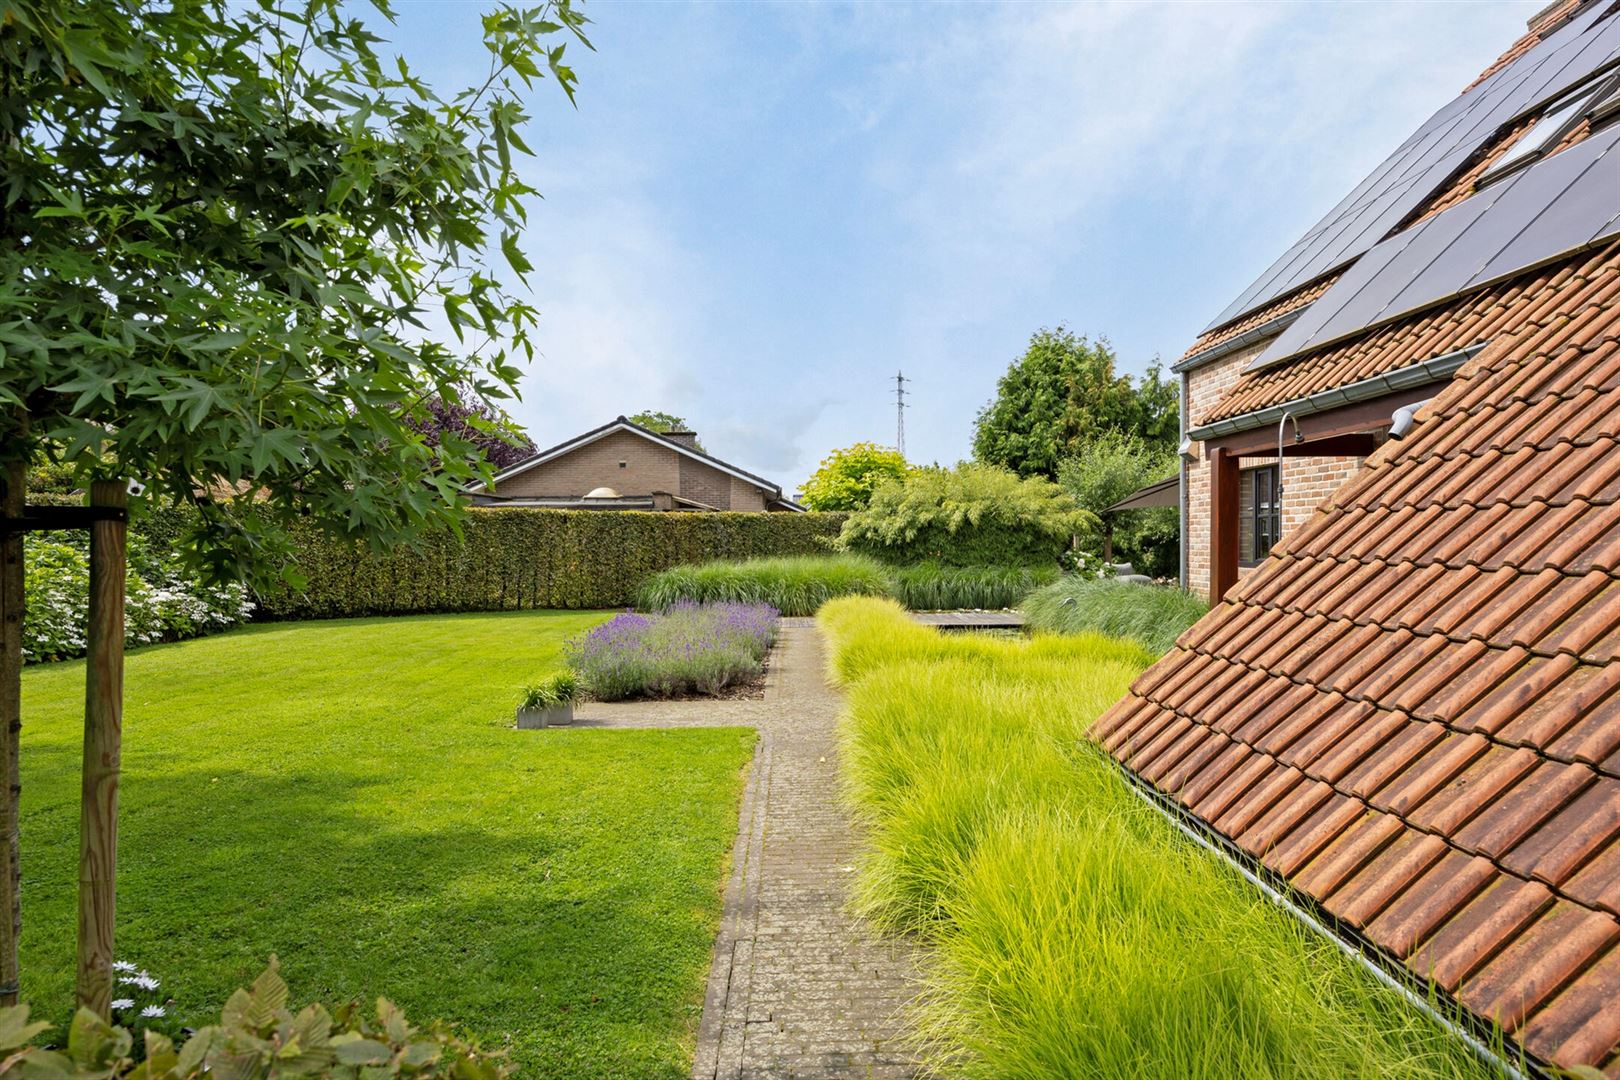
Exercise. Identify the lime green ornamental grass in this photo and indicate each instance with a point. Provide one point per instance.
(1073, 932)
(352, 797)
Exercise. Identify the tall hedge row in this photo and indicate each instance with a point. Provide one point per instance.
(521, 558)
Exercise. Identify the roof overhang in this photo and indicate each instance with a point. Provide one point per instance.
(1398, 381)
(1251, 336)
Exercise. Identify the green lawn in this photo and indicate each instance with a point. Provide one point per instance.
(351, 796)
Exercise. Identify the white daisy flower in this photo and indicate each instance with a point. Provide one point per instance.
(123, 1003)
(123, 965)
(152, 1011)
(146, 982)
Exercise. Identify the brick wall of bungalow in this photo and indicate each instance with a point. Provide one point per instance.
(632, 466)
(1307, 481)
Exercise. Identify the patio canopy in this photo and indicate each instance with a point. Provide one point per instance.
(1163, 493)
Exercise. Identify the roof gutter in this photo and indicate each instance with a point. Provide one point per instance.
(1205, 837)
(1429, 371)
(1231, 345)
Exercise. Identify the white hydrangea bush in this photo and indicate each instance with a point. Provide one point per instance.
(162, 602)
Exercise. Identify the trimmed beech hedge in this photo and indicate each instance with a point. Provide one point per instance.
(522, 558)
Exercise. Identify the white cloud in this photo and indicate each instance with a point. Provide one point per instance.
(996, 157)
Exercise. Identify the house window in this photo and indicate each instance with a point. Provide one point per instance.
(1557, 120)
(1265, 517)
(624, 464)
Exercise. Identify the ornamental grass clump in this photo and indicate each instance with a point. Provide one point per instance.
(795, 585)
(931, 587)
(560, 688)
(686, 649)
(1071, 930)
(1155, 615)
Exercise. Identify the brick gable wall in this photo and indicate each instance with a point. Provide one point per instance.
(647, 468)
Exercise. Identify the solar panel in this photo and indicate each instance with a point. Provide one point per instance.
(1454, 251)
(1434, 152)
(1576, 201)
(1553, 207)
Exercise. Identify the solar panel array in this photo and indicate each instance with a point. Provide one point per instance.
(1421, 164)
(1559, 205)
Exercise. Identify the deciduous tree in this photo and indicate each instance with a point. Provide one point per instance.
(654, 420)
(475, 425)
(223, 228)
(846, 478)
(1063, 390)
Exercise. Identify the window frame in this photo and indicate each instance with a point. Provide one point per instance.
(1583, 102)
(1268, 512)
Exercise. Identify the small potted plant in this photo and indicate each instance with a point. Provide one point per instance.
(548, 703)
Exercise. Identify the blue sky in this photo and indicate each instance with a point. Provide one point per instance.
(759, 212)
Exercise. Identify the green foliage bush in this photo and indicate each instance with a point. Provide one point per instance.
(972, 515)
(162, 601)
(1070, 930)
(258, 1037)
(522, 558)
(846, 478)
(1110, 467)
(1154, 615)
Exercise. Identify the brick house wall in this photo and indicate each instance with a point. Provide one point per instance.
(745, 496)
(647, 468)
(704, 483)
(1307, 481)
(634, 467)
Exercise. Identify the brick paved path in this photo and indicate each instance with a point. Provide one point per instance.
(799, 989)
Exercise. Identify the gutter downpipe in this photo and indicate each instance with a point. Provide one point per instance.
(1490, 1058)
(1181, 494)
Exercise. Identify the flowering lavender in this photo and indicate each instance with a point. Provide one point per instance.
(701, 648)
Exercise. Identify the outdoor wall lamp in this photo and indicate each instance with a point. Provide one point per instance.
(1287, 417)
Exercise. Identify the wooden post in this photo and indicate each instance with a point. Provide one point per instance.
(13, 488)
(103, 723)
(1223, 525)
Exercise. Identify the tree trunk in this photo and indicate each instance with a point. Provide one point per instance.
(103, 722)
(13, 489)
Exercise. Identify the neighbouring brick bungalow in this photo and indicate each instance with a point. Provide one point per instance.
(1406, 714)
(624, 466)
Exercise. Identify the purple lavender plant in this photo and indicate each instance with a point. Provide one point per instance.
(690, 648)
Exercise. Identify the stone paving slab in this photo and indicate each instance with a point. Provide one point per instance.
(800, 989)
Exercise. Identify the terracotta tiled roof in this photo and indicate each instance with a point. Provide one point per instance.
(1292, 302)
(1458, 324)
(1411, 710)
